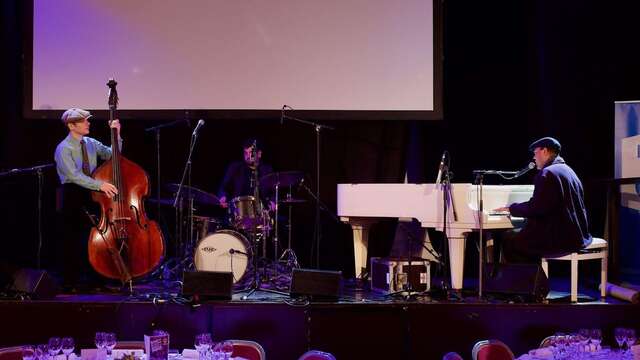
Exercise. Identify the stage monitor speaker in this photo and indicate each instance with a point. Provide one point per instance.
(208, 284)
(319, 284)
(37, 284)
(525, 281)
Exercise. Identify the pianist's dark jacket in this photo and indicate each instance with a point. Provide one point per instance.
(556, 217)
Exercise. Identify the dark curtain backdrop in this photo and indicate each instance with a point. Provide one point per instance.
(513, 71)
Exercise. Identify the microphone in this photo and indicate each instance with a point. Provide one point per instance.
(200, 124)
(234, 251)
(282, 114)
(525, 170)
(441, 168)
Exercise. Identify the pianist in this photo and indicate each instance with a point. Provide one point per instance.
(556, 219)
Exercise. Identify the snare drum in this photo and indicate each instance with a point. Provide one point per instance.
(245, 213)
(205, 225)
(224, 250)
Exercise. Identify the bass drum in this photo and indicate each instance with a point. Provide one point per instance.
(224, 250)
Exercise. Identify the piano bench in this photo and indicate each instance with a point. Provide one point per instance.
(598, 249)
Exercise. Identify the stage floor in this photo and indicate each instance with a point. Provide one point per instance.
(359, 324)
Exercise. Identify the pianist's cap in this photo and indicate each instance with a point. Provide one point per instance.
(74, 115)
(247, 143)
(546, 142)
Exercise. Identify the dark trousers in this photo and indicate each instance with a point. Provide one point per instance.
(74, 202)
(509, 248)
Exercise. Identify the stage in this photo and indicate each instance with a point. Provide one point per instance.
(360, 324)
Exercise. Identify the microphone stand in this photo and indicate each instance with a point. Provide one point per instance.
(156, 130)
(187, 170)
(321, 205)
(318, 129)
(479, 182)
(447, 200)
(256, 284)
(38, 170)
(479, 174)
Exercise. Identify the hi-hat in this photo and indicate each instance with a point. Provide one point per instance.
(282, 178)
(198, 195)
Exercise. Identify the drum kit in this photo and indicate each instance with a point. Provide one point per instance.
(231, 242)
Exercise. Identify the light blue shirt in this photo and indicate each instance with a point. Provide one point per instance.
(68, 159)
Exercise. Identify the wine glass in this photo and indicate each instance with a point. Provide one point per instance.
(54, 346)
(109, 343)
(631, 338)
(100, 340)
(227, 349)
(67, 346)
(203, 343)
(596, 337)
(584, 336)
(41, 351)
(28, 352)
(621, 335)
(216, 352)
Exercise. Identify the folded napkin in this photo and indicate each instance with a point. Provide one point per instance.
(190, 354)
(542, 353)
(120, 353)
(95, 354)
(72, 356)
(193, 354)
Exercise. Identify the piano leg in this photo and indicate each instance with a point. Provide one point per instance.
(360, 244)
(456, 258)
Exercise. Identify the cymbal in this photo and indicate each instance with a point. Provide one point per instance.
(282, 178)
(167, 202)
(292, 201)
(198, 195)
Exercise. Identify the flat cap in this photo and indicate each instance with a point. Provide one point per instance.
(546, 142)
(247, 143)
(75, 114)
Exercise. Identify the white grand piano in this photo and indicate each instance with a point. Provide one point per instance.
(361, 205)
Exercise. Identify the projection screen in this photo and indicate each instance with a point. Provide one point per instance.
(351, 59)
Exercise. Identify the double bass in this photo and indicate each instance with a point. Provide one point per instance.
(125, 244)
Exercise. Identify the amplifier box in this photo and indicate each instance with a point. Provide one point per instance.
(389, 275)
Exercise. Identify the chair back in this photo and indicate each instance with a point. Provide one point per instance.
(491, 350)
(130, 345)
(247, 349)
(546, 342)
(11, 353)
(316, 355)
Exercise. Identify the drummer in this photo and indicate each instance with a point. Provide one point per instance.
(238, 179)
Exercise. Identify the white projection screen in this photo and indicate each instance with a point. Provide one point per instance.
(349, 59)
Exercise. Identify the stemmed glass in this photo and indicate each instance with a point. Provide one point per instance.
(100, 340)
(227, 349)
(54, 347)
(596, 337)
(631, 338)
(41, 351)
(559, 345)
(584, 336)
(28, 352)
(67, 346)
(216, 351)
(621, 336)
(203, 343)
(109, 343)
